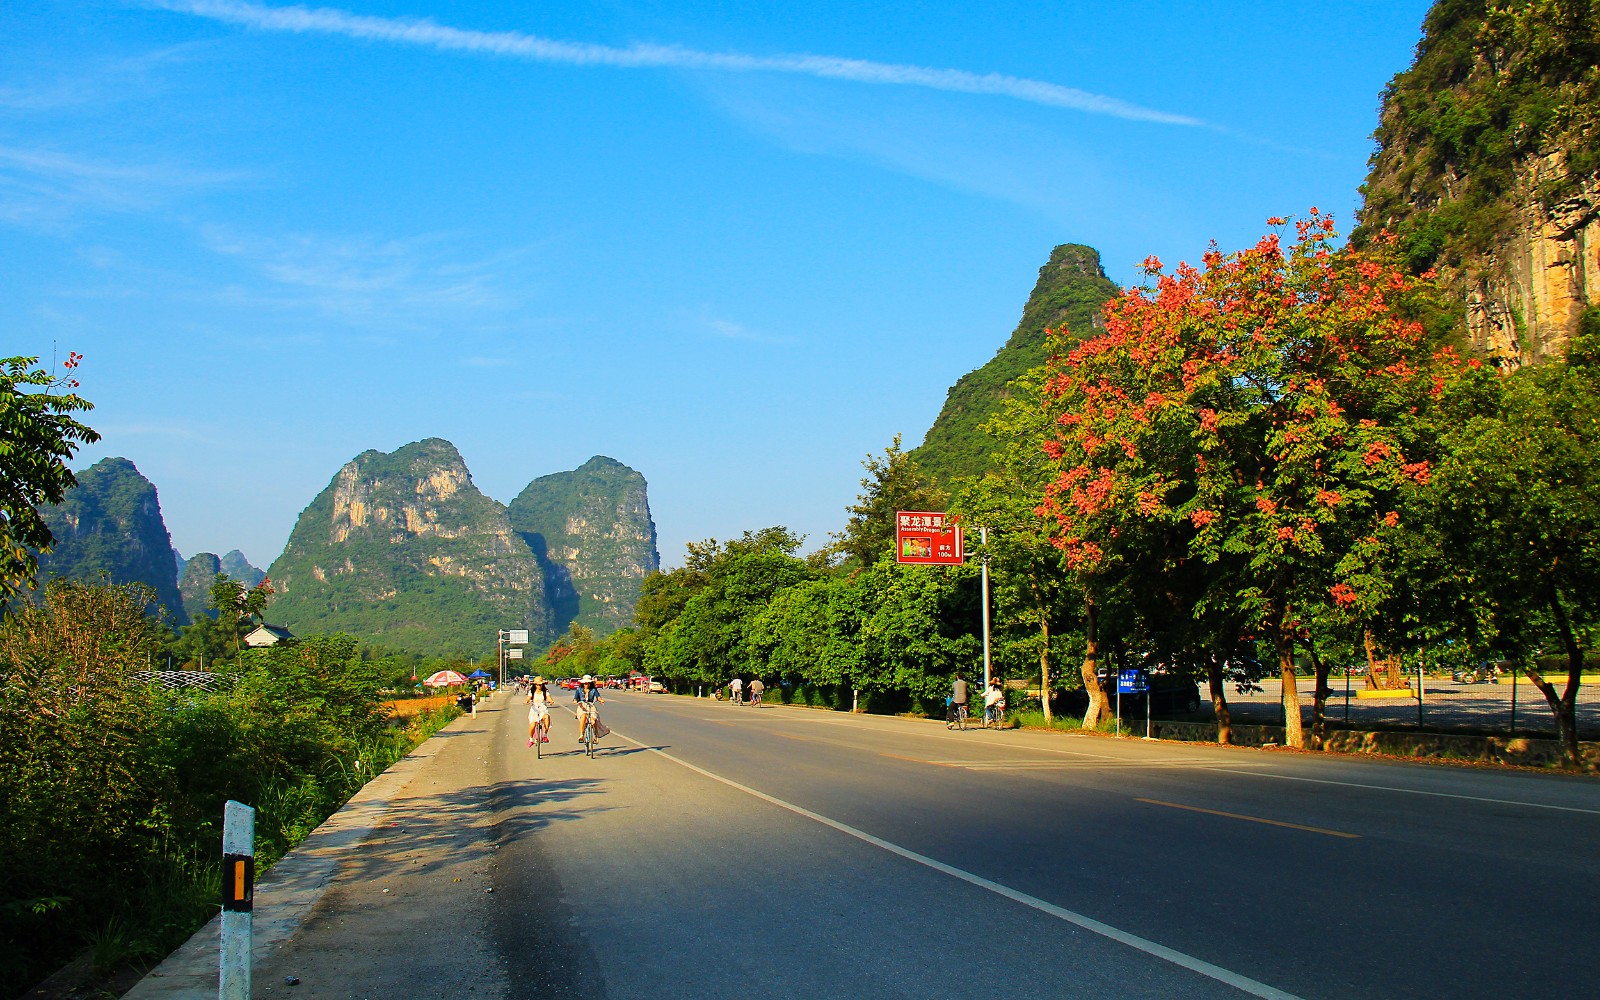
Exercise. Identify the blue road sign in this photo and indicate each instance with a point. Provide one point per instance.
(1131, 682)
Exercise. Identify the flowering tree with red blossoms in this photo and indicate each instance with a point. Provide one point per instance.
(1273, 407)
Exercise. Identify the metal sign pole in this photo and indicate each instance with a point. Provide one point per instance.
(983, 536)
(238, 900)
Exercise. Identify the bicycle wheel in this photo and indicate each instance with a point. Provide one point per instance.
(538, 741)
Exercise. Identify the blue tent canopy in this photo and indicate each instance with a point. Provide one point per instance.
(478, 673)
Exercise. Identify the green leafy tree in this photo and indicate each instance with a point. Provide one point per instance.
(1513, 555)
(700, 623)
(37, 435)
(239, 607)
(893, 483)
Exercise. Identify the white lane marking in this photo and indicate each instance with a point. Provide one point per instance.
(1411, 791)
(1073, 765)
(1239, 982)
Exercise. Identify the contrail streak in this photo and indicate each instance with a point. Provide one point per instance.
(515, 44)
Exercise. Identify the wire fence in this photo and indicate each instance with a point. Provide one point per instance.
(174, 680)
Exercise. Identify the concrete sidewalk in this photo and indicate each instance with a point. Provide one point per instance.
(417, 831)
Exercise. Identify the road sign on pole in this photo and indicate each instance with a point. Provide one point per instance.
(927, 538)
(517, 636)
(513, 654)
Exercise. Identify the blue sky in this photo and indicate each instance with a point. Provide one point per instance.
(737, 246)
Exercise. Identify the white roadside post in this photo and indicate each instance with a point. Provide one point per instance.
(238, 899)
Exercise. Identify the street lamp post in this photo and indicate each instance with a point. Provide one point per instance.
(983, 537)
(508, 637)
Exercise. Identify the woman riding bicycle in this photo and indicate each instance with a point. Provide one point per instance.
(539, 711)
(587, 696)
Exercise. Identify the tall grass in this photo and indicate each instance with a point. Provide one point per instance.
(111, 793)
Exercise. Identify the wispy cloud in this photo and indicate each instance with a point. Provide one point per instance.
(389, 281)
(44, 187)
(729, 330)
(154, 429)
(92, 83)
(430, 34)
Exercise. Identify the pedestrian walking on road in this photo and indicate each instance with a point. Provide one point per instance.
(736, 691)
(994, 703)
(756, 687)
(958, 701)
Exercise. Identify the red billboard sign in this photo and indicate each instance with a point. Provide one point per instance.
(927, 538)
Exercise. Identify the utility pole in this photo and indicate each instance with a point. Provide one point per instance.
(983, 537)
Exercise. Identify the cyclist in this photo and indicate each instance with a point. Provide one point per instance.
(994, 704)
(958, 701)
(736, 691)
(538, 711)
(756, 687)
(586, 697)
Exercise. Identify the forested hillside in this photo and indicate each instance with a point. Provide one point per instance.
(110, 525)
(1068, 294)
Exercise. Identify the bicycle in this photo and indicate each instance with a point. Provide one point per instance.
(541, 730)
(958, 718)
(588, 737)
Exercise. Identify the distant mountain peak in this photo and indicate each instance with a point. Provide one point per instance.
(1071, 288)
(111, 524)
(402, 548)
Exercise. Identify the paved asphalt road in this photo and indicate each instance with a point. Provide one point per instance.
(716, 851)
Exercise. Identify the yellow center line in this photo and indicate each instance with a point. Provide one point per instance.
(918, 760)
(1253, 819)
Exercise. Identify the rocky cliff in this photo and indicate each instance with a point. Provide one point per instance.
(194, 584)
(403, 550)
(1487, 167)
(1069, 292)
(592, 531)
(110, 526)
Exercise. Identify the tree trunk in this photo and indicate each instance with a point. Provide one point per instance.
(1319, 701)
(1044, 662)
(1293, 729)
(1565, 704)
(1219, 700)
(1099, 705)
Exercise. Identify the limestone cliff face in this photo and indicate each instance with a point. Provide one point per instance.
(1487, 168)
(1526, 297)
(110, 526)
(592, 530)
(404, 550)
